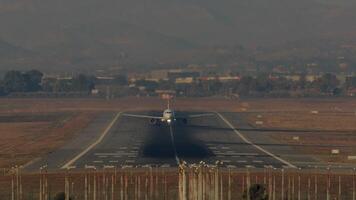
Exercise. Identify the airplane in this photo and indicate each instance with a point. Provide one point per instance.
(168, 116)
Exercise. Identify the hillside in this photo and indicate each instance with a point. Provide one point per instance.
(125, 32)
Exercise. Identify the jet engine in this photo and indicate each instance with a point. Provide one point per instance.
(154, 121)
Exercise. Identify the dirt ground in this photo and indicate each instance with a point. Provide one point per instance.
(311, 126)
(122, 104)
(27, 136)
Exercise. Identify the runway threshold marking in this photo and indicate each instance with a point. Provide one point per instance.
(174, 146)
(253, 144)
(106, 131)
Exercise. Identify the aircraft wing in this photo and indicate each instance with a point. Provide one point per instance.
(142, 116)
(201, 115)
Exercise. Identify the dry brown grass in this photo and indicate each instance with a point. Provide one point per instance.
(332, 127)
(129, 103)
(23, 141)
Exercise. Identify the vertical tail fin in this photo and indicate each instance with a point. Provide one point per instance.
(168, 103)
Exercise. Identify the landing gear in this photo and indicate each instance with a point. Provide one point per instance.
(185, 121)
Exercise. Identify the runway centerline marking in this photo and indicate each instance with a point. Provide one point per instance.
(253, 144)
(106, 131)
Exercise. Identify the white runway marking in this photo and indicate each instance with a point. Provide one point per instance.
(257, 161)
(108, 128)
(97, 161)
(254, 145)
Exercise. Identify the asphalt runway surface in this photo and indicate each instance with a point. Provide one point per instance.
(135, 142)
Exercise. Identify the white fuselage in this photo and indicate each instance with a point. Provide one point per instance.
(168, 116)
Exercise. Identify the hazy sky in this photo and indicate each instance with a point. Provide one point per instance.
(94, 27)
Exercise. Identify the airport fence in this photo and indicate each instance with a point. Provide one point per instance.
(185, 183)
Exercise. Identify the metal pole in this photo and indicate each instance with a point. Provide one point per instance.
(309, 185)
(151, 183)
(293, 187)
(316, 187)
(221, 187)
(328, 186)
(299, 185)
(121, 187)
(243, 184)
(200, 184)
(229, 186)
(216, 178)
(289, 190)
(86, 186)
(12, 188)
(46, 185)
(20, 186)
(40, 192)
(353, 186)
(17, 182)
(282, 190)
(94, 187)
(112, 187)
(264, 176)
(126, 187)
(274, 187)
(66, 187)
(339, 186)
(270, 184)
(139, 187)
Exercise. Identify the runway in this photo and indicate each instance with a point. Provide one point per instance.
(222, 138)
(135, 142)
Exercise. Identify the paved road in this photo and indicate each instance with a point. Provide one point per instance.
(133, 142)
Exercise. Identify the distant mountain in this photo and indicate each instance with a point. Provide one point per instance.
(10, 55)
(85, 33)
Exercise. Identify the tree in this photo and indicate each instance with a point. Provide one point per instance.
(350, 82)
(263, 83)
(302, 83)
(247, 83)
(83, 83)
(33, 80)
(120, 80)
(14, 81)
(2, 89)
(327, 83)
